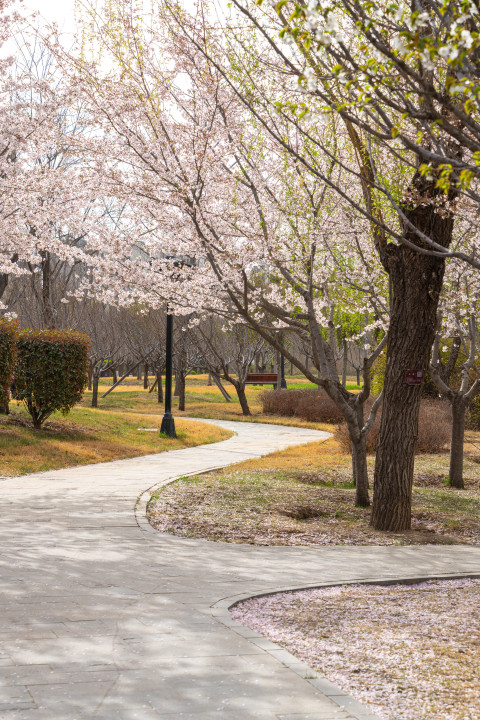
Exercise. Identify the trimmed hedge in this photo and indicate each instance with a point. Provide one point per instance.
(51, 371)
(8, 354)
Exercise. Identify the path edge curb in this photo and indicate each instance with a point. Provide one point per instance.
(221, 612)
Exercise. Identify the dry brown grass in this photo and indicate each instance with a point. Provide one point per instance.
(87, 436)
(304, 495)
(202, 401)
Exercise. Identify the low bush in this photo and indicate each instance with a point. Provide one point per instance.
(51, 371)
(312, 405)
(434, 429)
(8, 353)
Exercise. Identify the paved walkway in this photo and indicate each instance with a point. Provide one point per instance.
(101, 617)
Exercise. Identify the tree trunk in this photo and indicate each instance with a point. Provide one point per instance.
(90, 376)
(139, 372)
(114, 376)
(3, 283)
(242, 398)
(358, 376)
(416, 281)
(344, 363)
(4, 408)
(360, 472)
(95, 390)
(145, 377)
(47, 309)
(209, 382)
(455, 475)
(159, 387)
(180, 383)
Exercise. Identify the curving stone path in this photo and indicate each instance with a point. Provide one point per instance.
(101, 617)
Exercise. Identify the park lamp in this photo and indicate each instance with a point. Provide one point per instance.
(167, 427)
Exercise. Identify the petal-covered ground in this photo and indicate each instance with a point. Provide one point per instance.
(406, 651)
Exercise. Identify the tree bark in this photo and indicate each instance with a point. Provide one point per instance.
(416, 281)
(95, 390)
(180, 384)
(360, 472)
(159, 387)
(455, 475)
(344, 363)
(145, 377)
(242, 398)
(47, 309)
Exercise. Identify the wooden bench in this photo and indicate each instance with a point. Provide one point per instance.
(262, 379)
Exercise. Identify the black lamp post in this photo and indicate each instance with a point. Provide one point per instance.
(168, 423)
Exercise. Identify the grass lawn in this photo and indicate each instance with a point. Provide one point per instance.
(87, 436)
(114, 429)
(304, 495)
(202, 401)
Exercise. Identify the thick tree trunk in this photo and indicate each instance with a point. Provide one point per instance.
(416, 281)
(95, 390)
(242, 398)
(358, 376)
(114, 376)
(145, 377)
(4, 408)
(209, 382)
(90, 376)
(455, 475)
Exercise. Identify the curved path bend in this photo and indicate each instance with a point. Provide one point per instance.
(103, 618)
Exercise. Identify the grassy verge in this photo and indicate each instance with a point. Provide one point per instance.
(304, 495)
(87, 436)
(202, 401)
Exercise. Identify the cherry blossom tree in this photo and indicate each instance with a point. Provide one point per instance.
(410, 208)
(201, 178)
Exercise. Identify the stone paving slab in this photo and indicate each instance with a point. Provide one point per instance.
(101, 617)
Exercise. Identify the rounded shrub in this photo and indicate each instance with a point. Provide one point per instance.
(50, 372)
(8, 353)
